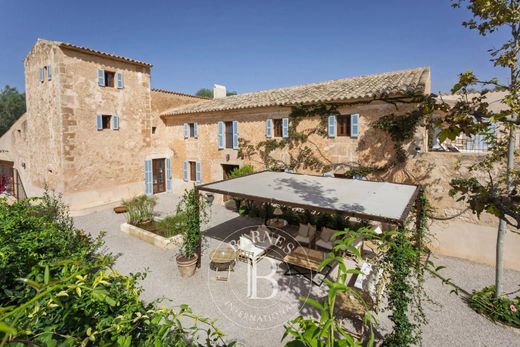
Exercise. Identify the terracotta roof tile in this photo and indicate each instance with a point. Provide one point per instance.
(178, 93)
(96, 52)
(397, 83)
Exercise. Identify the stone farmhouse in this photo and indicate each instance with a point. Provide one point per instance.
(97, 132)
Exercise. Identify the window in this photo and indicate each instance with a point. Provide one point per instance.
(193, 171)
(109, 78)
(278, 127)
(191, 130)
(154, 129)
(476, 143)
(343, 125)
(229, 134)
(106, 120)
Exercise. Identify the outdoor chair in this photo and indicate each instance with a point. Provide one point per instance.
(306, 234)
(326, 240)
(366, 290)
(248, 251)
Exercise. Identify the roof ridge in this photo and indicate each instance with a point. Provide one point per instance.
(424, 68)
(93, 51)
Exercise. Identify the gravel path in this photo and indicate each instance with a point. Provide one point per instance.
(252, 322)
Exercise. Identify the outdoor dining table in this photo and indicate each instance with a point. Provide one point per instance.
(306, 262)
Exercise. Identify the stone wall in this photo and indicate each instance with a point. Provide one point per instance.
(465, 235)
(370, 145)
(40, 141)
(108, 162)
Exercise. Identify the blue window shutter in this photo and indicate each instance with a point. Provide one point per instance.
(148, 177)
(285, 127)
(198, 173)
(101, 77)
(185, 171)
(331, 128)
(41, 74)
(220, 135)
(168, 175)
(99, 122)
(269, 128)
(115, 122)
(354, 125)
(235, 134)
(119, 79)
(196, 130)
(49, 73)
(186, 130)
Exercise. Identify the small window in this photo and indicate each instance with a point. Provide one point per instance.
(193, 171)
(154, 129)
(343, 125)
(278, 127)
(229, 134)
(106, 120)
(109, 78)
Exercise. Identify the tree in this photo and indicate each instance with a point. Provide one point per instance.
(205, 92)
(208, 93)
(12, 106)
(498, 192)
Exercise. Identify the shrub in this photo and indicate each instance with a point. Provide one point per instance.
(174, 224)
(57, 290)
(139, 209)
(504, 309)
(29, 236)
(241, 171)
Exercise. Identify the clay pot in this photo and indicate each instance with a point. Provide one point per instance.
(186, 266)
(120, 209)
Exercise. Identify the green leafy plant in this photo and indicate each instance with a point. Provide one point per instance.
(239, 172)
(174, 224)
(29, 236)
(327, 331)
(194, 208)
(504, 309)
(140, 209)
(56, 289)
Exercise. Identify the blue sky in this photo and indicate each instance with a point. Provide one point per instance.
(254, 45)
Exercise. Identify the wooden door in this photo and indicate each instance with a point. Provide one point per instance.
(159, 176)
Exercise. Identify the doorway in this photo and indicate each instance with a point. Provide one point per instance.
(159, 176)
(226, 173)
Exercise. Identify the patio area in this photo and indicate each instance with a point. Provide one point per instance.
(259, 322)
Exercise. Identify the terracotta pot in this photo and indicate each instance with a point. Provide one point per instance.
(120, 209)
(186, 266)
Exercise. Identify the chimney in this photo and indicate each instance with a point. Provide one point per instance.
(219, 91)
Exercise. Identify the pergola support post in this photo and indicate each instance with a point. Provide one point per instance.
(419, 206)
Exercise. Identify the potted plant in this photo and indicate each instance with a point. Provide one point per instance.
(195, 214)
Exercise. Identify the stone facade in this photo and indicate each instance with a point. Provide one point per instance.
(57, 142)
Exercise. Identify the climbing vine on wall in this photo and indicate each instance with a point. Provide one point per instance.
(301, 152)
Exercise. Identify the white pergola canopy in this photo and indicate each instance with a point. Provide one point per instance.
(377, 201)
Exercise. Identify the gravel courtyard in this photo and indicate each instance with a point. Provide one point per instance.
(260, 322)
